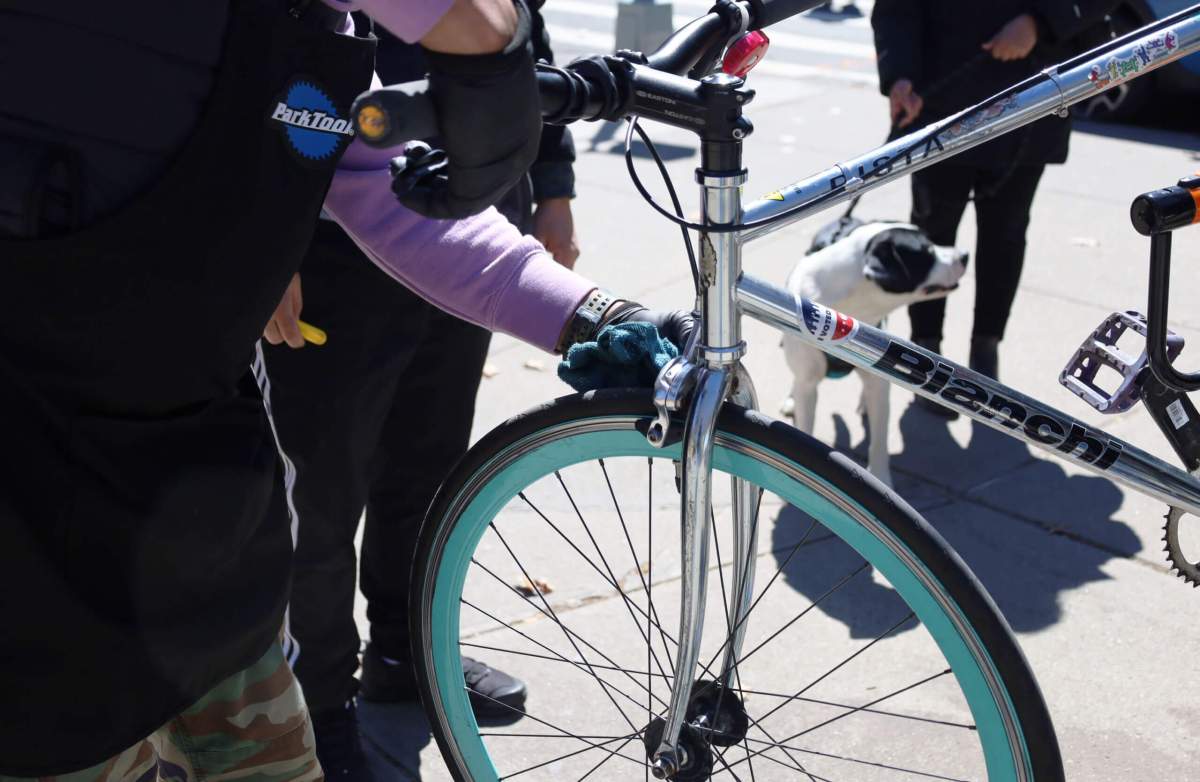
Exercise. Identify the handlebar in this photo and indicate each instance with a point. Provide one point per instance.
(595, 88)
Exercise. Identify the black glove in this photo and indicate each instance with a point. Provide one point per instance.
(677, 326)
(489, 117)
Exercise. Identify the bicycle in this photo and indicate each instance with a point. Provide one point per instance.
(696, 705)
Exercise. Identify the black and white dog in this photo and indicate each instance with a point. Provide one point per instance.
(871, 270)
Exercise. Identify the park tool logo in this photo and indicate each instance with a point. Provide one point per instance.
(313, 125)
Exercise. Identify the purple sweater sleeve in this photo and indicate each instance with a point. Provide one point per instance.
(481, 268)
(408, 20)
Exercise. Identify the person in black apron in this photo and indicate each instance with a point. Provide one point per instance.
(145, 535)
(344, 414)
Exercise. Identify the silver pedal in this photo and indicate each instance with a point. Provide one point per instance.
(1100, 350)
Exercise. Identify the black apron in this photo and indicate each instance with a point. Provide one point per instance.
(144, 538)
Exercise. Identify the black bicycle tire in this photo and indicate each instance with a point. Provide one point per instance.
(835, 468)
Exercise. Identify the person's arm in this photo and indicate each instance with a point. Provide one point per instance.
(898, 28)
(478, 268)
(449, 26)
(553, 173)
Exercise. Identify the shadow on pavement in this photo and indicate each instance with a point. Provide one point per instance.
(1184, 138)
(395, 734)
(1026, 528)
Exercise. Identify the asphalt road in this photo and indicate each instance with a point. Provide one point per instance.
(1073, 560)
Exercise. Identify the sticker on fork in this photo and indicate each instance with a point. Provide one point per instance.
(825, 324)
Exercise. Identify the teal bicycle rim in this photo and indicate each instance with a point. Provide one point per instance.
(1000, 734)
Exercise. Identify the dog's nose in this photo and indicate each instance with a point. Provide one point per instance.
(962, 257)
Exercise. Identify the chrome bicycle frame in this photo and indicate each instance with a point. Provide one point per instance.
(710, 372)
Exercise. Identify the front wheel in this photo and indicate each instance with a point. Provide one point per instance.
(870, 653)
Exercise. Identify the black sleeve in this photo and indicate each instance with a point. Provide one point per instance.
(1062, 20)
(898, 36)
(553, 173)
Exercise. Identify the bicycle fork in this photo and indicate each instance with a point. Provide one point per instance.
(698, 383)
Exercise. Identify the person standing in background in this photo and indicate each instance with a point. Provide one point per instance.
(961, 53)
(375, 419)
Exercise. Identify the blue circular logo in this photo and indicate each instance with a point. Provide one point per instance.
(311, 122)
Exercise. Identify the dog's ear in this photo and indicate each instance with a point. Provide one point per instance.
(898, 260)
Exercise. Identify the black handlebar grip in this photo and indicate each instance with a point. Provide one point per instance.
(392, 115)
(1165, 210)
(767, 12)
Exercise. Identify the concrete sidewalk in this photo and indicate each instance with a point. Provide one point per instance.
(1073, 560)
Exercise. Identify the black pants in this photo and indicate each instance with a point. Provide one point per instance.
(1002, 203)
(376, 417)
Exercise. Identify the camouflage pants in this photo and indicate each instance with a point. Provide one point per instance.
(252, 727)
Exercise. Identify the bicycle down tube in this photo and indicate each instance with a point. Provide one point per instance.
(929, 374)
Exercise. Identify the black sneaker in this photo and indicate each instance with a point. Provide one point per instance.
(339, 745)
(985, 356)
(386, 679)
(493, 693)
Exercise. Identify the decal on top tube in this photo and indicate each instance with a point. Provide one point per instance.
(1133, 60)
(826, 324)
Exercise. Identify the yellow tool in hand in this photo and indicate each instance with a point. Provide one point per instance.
(312, 334)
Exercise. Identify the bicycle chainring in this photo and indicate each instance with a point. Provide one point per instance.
(1180, 566)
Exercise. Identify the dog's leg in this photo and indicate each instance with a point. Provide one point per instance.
(804, 397)
(808, 369)
(876, 402)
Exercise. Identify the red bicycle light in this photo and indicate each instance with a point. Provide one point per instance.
(745, 53)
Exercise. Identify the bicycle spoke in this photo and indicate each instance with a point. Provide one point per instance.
(892, 694)
(859, 761)
(736, 670)
(761, 595)
(803, 699)
(607, 739)
(599, 765)
(591, 746)
(564, 734)
(563, 627)
(637, 566)
(582, 665)
(835, 668)
(588, 560)
(649, 594)
(596, 545)
(613, 667)
(841, 583)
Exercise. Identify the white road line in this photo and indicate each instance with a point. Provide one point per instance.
(602, 42)
(797, 71)
(783, 40)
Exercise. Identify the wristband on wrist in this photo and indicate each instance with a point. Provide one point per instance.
(586, 321)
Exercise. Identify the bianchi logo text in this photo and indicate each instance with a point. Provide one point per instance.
(314, 127)
(918, 371)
